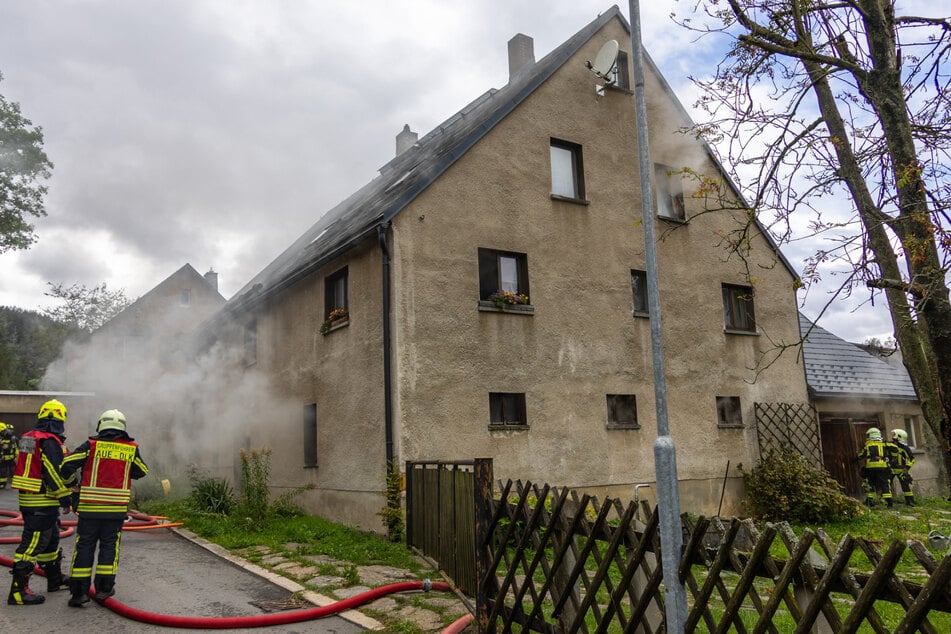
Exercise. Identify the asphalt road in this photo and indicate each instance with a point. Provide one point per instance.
(159, 572)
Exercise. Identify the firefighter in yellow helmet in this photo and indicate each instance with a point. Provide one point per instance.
(43, 492)
(106, 464)
(8, 454)
(901, 460)
(875, 468)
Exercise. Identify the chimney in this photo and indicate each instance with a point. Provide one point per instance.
(405, 140)
(521, 54)
(212, 278)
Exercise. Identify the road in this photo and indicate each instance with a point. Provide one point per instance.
(159, 572)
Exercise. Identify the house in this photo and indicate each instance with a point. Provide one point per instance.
(139, 361)
(488, 296)
(854, 390)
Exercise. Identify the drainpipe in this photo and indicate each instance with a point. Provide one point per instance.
(387, 344)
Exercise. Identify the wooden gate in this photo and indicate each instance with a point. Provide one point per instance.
(440, 517)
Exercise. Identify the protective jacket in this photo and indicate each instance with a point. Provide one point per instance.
(901, 458)
(874, 454)
(109, 462)
(8, 446)
(37, 474)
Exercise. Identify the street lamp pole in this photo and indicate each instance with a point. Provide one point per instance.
(665, 456)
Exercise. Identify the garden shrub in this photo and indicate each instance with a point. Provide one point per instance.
(784, 486)
(209, 494)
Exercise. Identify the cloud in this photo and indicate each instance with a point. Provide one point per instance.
(214, 132)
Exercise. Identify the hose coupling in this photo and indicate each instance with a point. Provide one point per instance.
(427, 585)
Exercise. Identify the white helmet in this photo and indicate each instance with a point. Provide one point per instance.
(874, 434)
(111, 419)
(900, 435)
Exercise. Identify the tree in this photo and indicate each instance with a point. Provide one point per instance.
(23, 167)
(86, 308)
(844, 101)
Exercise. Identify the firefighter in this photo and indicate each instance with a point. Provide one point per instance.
(8, 453)
(901, 460)
(875, 468)
(43, 492)
(105, 465)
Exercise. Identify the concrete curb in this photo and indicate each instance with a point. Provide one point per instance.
(290, 585)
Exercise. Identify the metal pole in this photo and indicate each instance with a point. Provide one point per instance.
(665, 458)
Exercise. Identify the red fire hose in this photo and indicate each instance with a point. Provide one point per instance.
(260, 620)
(140, 522)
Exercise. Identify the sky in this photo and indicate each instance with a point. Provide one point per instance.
(215, 132)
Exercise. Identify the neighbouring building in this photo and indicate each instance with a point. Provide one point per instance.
(485, 296)
(854, 390)
(140, 362)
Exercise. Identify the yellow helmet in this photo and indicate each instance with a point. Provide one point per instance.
(900, 435)
(3, 426)
(52, 409)
(111, 419)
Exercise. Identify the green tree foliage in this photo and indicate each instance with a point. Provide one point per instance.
(784, 486)
(85, 308)
(23, 168)
(29, 342)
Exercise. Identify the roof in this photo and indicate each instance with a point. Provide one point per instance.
(837, 368)
(402, 179)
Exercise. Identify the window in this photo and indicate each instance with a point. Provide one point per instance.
(251, 343)
(507, 408)
(184, 299)
(738, 308)
(310, 435)
(728, 411)
(335, 292)
(622, 411)
(567, 173)
(622, 79)
(639, 291)
(913, 427)
(670, 193)
(502, 271)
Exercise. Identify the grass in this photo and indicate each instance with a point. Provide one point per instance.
(297, 537)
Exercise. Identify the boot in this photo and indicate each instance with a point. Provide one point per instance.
(55, 579)
(78, 593)
(890, 503)
(105, 587)
(910, 501)
(20, 593)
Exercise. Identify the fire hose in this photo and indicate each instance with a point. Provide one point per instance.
(262, 620)
(137, 522)
(257, 620)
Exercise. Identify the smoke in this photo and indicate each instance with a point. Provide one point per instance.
(185, 406)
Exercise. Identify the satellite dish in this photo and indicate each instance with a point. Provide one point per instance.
(604, 63)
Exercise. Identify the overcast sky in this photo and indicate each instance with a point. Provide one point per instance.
(214, 132)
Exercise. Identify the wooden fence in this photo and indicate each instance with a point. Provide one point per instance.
(554, 560)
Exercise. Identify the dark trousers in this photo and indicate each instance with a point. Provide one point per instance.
(6, 471)
(39, 543)
(90, 531)
(904, 479)
(879, 481)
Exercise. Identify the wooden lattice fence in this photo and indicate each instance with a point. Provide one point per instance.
(789, 426)
(554, 560)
